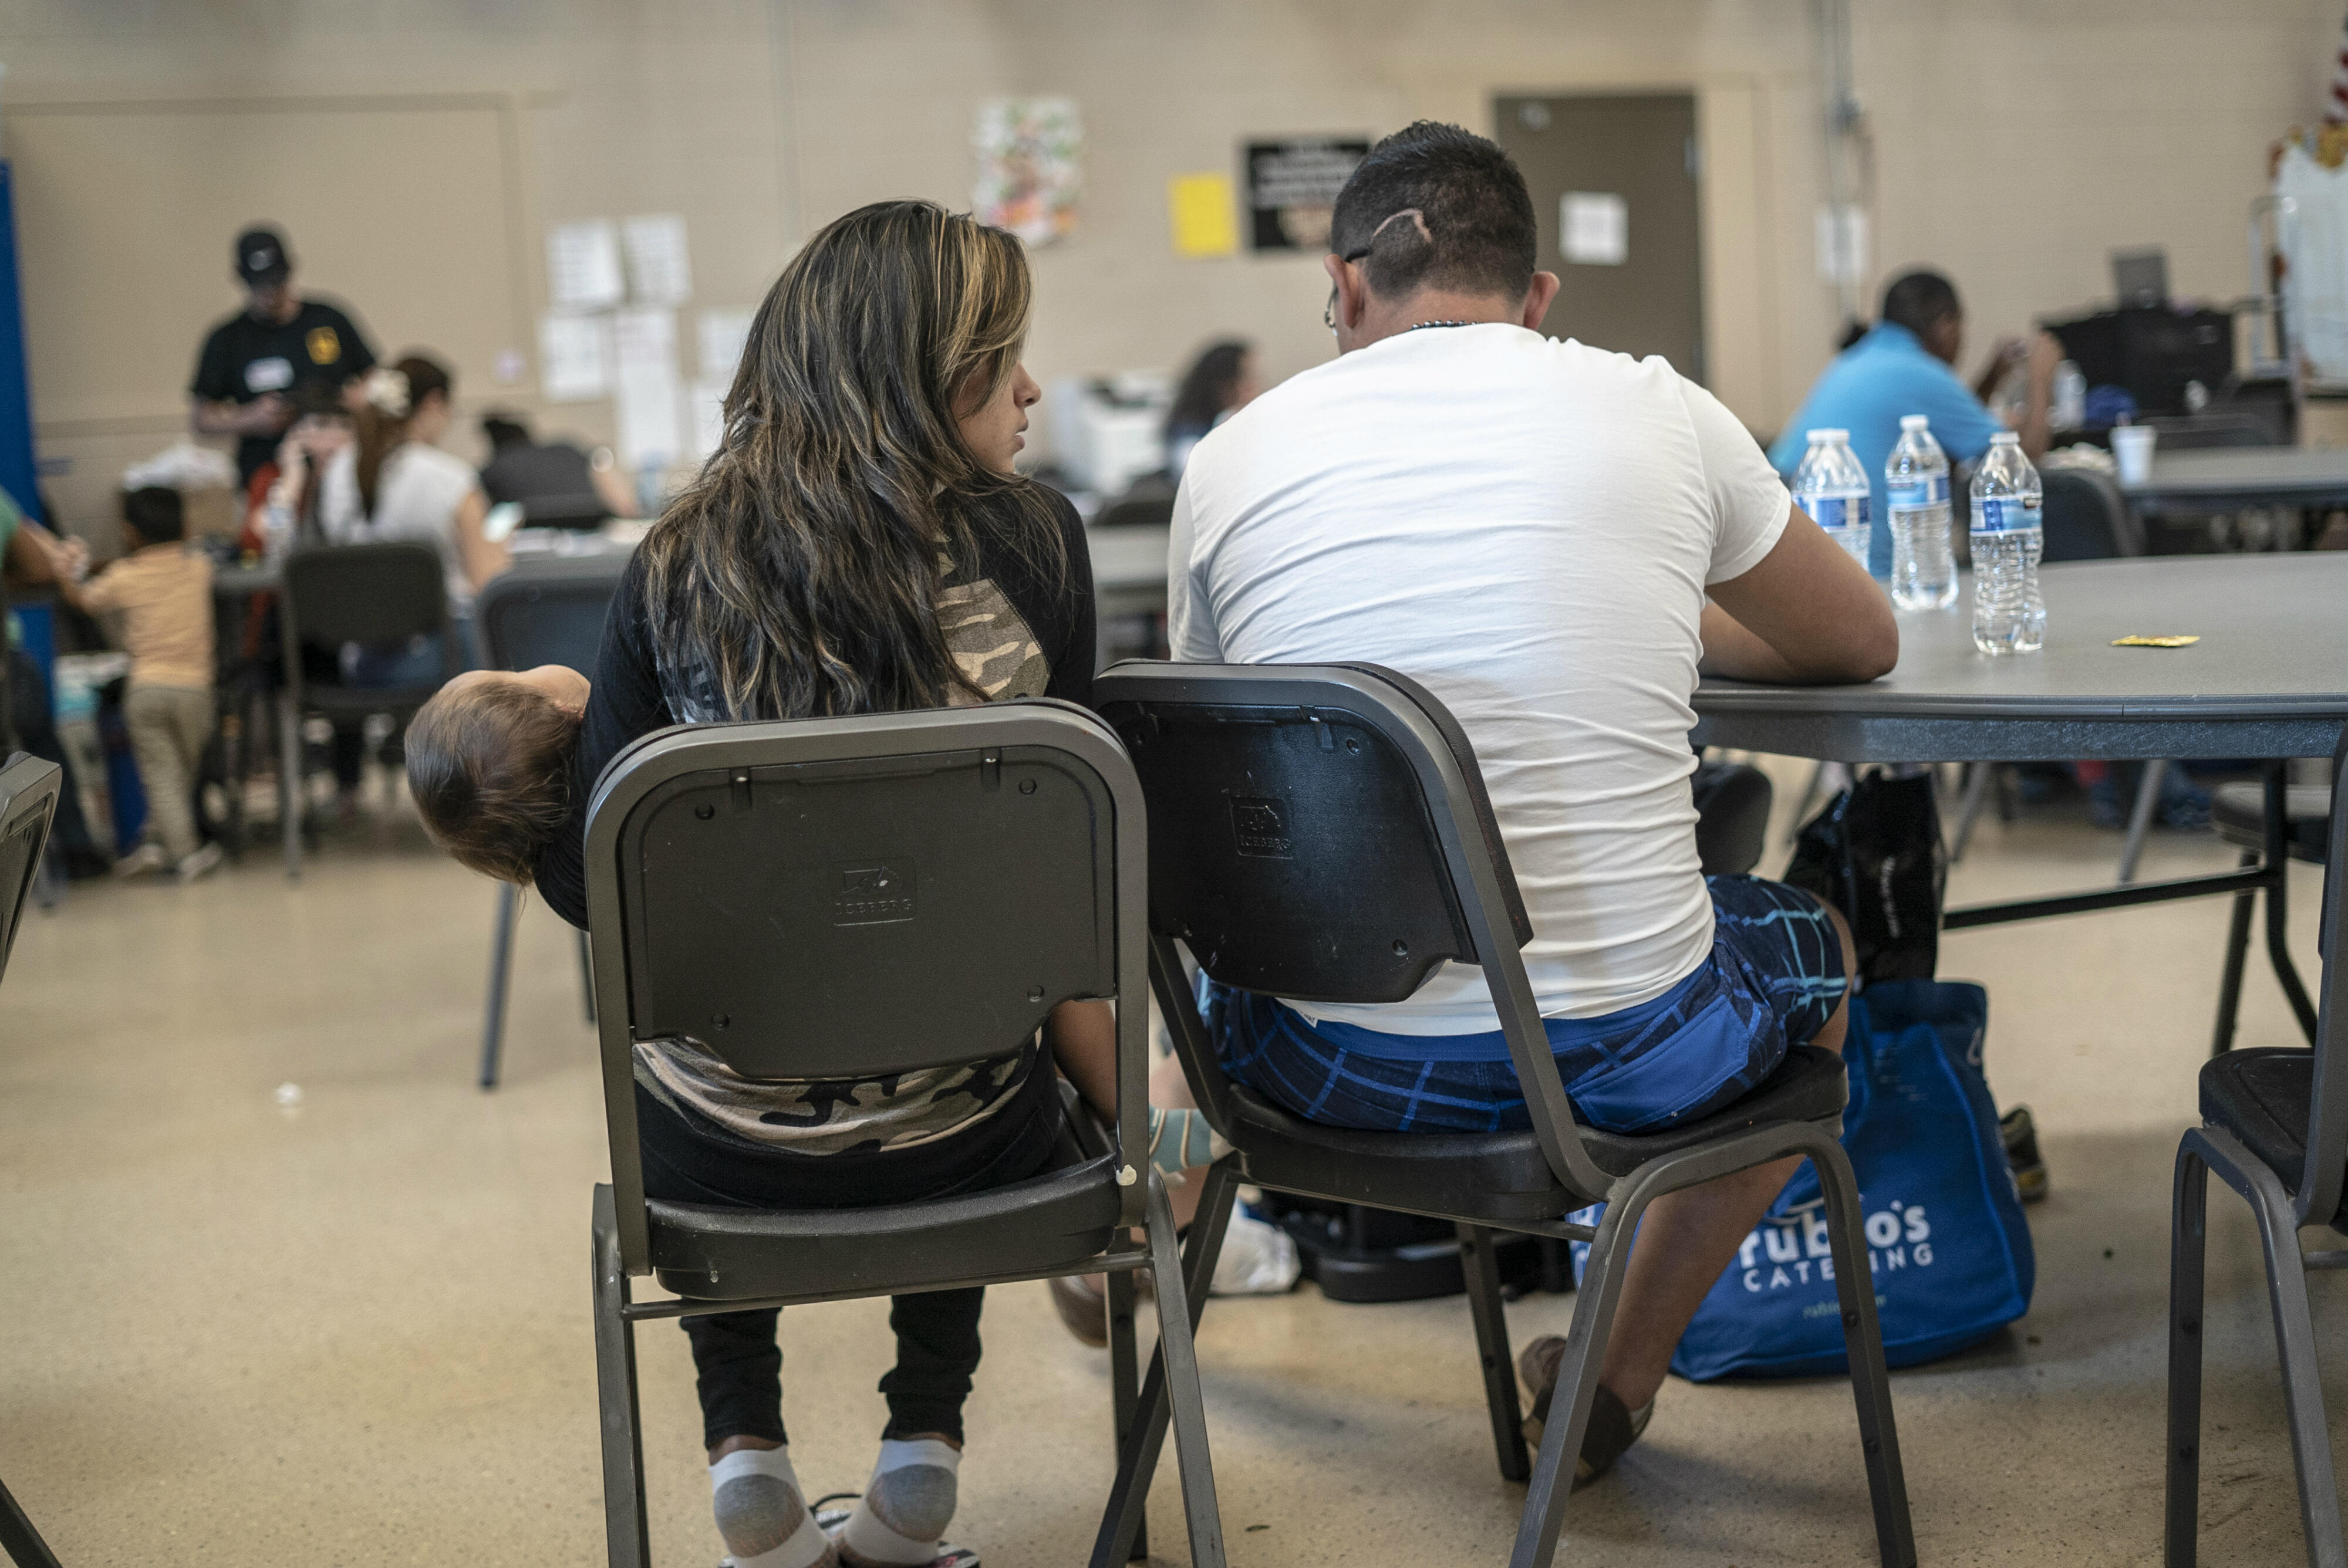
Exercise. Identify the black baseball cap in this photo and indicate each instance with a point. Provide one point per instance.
(261, 256)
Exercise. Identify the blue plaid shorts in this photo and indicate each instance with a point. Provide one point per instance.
(1773, 979)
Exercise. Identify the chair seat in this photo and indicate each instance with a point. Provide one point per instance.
(2261, 1096)
(1062, 1216)
(2239, 812)
(1498, 1177)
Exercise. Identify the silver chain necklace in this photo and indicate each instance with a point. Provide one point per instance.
(1417, 326)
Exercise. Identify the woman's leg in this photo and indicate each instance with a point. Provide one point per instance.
(737, 1371)
(910, 1499)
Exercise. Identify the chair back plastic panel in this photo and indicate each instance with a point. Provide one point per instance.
(1294, 844)
(2088, 518)
(551, 614)
(374, 593)
(934, 913)
(28, 801)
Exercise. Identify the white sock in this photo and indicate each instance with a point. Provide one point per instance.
(906, 1505)
(762, 1513)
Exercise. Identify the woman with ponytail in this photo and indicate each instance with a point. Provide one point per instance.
(860, 543)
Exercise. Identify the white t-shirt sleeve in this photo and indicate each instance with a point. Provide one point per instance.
(1749, 501)
(1189, 616)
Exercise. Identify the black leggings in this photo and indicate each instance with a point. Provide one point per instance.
(736, 1362)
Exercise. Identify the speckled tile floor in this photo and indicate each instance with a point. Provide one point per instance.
(354, 1331)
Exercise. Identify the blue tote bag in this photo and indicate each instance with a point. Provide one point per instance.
(1946, 1241)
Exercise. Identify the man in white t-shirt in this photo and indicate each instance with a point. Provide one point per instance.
(1551, 538)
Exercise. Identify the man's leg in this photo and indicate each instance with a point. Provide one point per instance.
(1686, 1238)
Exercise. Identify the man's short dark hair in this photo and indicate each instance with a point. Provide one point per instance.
(154, 514)
(1480, 234)
(505, 430)
(1920, 300)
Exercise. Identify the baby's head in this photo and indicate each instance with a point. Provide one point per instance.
(489, 762)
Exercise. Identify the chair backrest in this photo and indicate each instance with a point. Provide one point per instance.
(1149, 511)
(548, 612)
(2326, 1172)
(1322, 832)
(849, 898)
(2087, 518)
(28, 802)
(370, 593)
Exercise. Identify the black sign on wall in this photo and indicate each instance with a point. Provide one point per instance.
(1293, 188)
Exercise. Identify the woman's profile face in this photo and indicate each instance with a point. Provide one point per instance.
(992, 429)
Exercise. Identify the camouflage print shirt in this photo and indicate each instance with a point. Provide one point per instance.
(1014, 635)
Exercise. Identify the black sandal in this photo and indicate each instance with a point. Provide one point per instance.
(1614, 1426)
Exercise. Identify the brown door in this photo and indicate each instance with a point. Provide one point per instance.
(1613, 180)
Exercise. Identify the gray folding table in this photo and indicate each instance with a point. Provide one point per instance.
(2269, 680)
(2223, 479)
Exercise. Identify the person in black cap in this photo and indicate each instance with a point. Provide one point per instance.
(251, 363)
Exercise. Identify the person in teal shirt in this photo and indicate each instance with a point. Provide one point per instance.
(1906, 365)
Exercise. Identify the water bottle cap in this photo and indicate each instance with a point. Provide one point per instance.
(1829, 434)
(1912, 422)
(2006, 438)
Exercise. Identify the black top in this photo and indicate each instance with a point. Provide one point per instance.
(1055, 658)
(551, 477)
(244, 360)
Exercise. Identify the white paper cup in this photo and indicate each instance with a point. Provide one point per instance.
(2132, 450)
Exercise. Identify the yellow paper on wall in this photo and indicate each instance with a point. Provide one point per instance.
(1200, 207)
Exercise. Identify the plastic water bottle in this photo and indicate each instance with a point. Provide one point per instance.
(1916, 493)
(1831, 486)
(2009, 615)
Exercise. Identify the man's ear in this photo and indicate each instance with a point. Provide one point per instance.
(1347, 279)
(1538, 299)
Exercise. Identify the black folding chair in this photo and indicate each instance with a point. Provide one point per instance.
(541, 613)
(847, 899)
(2274, 1127)
(28, 800)
(374, 595)
(1321, 833)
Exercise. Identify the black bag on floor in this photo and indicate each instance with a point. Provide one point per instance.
(1875, 854)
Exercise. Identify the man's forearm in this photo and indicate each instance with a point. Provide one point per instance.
(1736, 654)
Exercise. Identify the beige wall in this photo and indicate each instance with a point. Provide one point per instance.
(2013, 143)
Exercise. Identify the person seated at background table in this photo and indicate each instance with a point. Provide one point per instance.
(281, 502)
(30, 557)
(1551, 538)
(860, 543)
(554, 474)
(1905, 365)
(252, 364)
(393, 483)
(1219, 383)
(164, 592)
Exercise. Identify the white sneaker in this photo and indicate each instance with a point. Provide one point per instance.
(147, 858)
(201, 861)
(1258, 1259)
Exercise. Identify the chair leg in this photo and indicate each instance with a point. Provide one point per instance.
(1482, 1272)
(493, 1020)
(2238, 951)
(2278, 924)
(2148, 796)
(1871, 1383)
(289, 781)
(2188, 1247)
(1122, 1517)
(1125, 1382)
(1179, 1355)
(2302, 1385)
(20, 1539)
(625, 1527)
(1551, 1482)
(587, 977)
(1977, 783)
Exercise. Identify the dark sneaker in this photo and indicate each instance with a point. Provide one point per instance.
(1081, 1307)
(1614, 1426)
(2021, 1136)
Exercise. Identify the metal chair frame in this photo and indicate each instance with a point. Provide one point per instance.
(628, 1231)
(2312, 1199)
(28, 804)
(1128, 694)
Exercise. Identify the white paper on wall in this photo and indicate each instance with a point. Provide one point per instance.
(660, 270)
(650, 402)
(1594, 226)
(582, 266)
(723, 333)
(574, 357)
(1842, 245)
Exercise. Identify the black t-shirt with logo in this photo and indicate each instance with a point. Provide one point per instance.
(243, 359)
